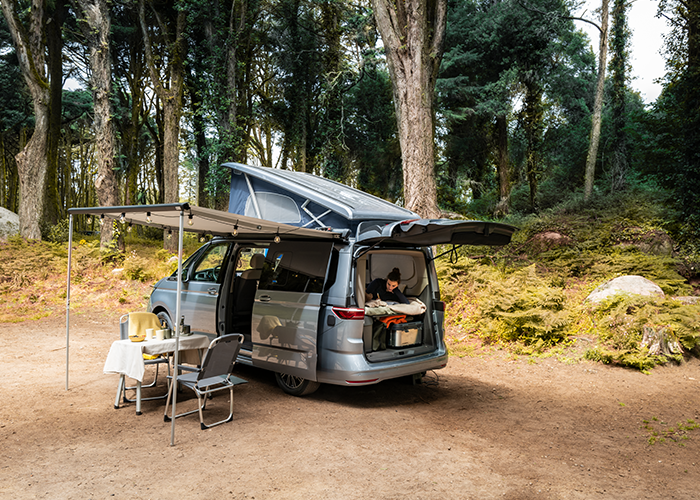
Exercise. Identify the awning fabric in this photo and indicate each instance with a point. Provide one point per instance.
(203, 220)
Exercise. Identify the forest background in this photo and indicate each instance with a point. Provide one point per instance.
(164, 92)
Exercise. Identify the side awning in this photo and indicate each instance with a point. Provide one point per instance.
(204, 220)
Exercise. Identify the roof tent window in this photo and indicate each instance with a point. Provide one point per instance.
(275, 207)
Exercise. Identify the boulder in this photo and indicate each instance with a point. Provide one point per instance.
(655, 242)
(548, 240)
(9, 223)
(625, 284)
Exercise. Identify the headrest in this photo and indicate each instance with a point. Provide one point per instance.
(257, 261)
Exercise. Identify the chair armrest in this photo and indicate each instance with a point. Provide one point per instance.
(188, 368)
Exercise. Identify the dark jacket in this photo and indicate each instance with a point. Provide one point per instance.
(378, 289)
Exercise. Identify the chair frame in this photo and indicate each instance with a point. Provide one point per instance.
(210, 378)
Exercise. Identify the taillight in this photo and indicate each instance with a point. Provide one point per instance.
(349, 312)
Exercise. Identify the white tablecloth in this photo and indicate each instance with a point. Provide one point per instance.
(126, 357)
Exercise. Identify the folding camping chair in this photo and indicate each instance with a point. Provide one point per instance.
(132, 324)
(215, 375)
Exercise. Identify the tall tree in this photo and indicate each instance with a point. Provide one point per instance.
(476, 91)
(596, 119)
(676, 118)
(95, 23)
(169, 32)
(58, 12)
(413, 32)
(32, 162)
(619, 62)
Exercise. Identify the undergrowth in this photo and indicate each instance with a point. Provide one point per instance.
(33, 276)
(529, 296)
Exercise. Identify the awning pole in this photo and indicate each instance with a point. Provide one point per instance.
(176, 324)
(70, 253)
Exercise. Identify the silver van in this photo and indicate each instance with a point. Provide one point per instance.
(300, 302)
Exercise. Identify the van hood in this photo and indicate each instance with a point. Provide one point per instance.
(429, 232)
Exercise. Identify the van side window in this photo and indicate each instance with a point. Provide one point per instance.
(295, 267)
(209, 266)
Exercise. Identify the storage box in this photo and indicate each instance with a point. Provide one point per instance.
(405, 334)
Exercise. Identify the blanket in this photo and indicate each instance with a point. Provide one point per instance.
(379, 308)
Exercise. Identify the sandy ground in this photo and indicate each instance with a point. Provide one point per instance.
(484, 427)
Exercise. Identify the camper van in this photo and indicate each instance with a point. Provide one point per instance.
(300, 301)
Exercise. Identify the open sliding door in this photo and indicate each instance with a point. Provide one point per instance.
(287, 307)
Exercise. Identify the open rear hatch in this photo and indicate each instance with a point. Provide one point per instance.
(429, 232)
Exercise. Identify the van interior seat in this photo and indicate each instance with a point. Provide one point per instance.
(256, 264)
(244, 295)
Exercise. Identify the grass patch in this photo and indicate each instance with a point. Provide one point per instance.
(659, 432)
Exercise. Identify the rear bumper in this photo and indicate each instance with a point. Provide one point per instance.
(353, 370)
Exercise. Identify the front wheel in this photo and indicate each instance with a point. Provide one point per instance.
(296, 386)
(164, 317)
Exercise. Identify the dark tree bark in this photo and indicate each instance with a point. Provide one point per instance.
(503, 165)
(533, 121)
(54, 44)
(619, 46)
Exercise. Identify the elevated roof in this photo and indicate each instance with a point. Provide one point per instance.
(350, 203)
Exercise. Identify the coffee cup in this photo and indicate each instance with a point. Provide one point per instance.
(149, 333)
(160, 334)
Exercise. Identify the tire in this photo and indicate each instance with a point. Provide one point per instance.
(296, 386)
(164, 316)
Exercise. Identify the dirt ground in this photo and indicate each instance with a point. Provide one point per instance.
(484, 427)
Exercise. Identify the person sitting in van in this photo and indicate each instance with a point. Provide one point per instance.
(387, 289)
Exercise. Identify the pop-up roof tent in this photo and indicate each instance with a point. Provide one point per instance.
(305, 200)
(183, 217)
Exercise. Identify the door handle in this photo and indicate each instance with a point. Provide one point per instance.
(212, 291)
(265, 298)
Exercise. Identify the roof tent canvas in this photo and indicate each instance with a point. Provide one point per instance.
(305, 200)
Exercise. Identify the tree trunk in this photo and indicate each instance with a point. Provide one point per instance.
(200, 139)
(171, 97)
(54, 44)
(596, 118)
(619, 41)
(503, 165)
(533, 132)
(96, 25)
(32, 159)
(413, 33)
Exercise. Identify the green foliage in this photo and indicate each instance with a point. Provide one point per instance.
(502, 306)
(530, 295)
(22, 262)
(135, 268)
(59, 232)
